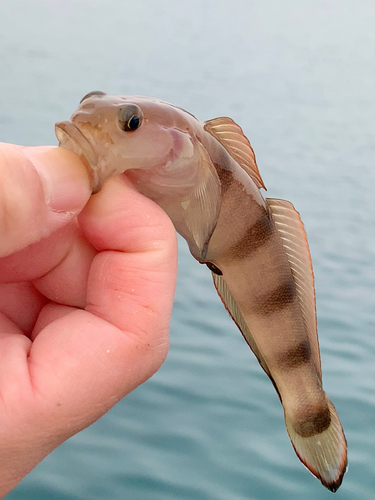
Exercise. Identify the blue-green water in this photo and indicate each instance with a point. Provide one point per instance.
(299, 76)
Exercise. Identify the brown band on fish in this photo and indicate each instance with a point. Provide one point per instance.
(295, 357)
(314, 423)
(254, 237)
(226, 178)
(276, 300)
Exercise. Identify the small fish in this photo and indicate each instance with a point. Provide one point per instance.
(204, 175)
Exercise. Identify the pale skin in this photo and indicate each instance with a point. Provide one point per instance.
(86, 291)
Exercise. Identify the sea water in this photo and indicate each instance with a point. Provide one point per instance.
(299, 77)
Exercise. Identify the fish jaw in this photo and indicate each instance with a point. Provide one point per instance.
(71, 138)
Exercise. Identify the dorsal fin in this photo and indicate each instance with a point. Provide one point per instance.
(232, 138)
(294, 239)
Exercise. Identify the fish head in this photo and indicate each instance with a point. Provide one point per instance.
(114, 134)
(156, 145)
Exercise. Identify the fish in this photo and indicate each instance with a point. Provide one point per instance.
(205, 176)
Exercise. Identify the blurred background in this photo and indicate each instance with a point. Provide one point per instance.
(299, 77)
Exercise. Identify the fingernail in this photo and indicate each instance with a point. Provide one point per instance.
(66, 182)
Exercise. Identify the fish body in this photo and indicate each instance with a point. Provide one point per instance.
(204, 175)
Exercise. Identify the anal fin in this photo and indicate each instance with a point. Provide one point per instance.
(235, 313)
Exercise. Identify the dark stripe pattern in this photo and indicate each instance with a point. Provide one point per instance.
(254, 237)
(276, 300)
(296, 356)
(226, 178)
(317, 422)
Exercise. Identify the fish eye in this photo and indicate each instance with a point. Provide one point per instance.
(129, 117)
(90, 94)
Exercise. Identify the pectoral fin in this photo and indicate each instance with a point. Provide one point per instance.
(231, 136)
(200, 210)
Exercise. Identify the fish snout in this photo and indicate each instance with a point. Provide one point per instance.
(71, 138)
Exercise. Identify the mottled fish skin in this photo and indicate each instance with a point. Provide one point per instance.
(204, 175)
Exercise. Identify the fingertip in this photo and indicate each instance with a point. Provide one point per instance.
(66, 181)
(41, 190)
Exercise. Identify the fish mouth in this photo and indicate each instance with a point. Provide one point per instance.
(71, 138)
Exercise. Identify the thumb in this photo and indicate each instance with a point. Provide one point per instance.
(41, 190)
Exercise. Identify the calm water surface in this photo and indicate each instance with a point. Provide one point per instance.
(299, 77)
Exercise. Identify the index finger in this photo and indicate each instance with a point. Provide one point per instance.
(84, 362)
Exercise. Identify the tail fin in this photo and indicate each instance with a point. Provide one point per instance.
(325, 453)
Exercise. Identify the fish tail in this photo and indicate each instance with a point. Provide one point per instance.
(323, 453)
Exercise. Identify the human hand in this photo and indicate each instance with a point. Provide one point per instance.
(86, 292)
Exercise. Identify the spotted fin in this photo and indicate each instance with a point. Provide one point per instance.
(294, 240)
(232, 138)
